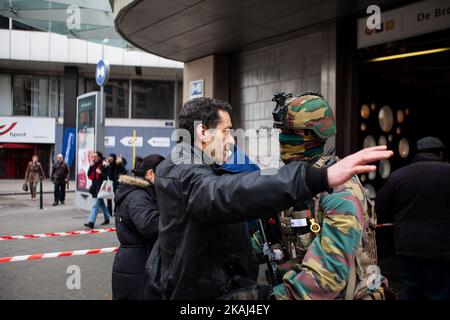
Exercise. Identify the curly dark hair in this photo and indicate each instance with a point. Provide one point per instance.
(205, 110)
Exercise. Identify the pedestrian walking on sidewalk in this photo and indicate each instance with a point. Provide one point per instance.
(97, 174)
(33, 173)
(112, 173)
(60, 177)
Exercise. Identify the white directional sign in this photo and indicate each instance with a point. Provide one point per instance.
(110, 141)
(163, 142)
(128, 141)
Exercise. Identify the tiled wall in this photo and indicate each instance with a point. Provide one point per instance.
(293, 66)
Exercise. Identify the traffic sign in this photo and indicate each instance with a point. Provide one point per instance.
(102, 72)
(163, 142)
(128, 141)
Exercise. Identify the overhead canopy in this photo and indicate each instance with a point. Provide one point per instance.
(185, 30)
(91, 20)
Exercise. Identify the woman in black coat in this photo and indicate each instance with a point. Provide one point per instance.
(137, 229)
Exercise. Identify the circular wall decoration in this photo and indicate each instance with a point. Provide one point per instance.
(363, 127)
(372, 106)
(372, 175)
(403, 148)
(382, 141)
(365, 111)
(384, 169)
(390, 138)
(386, 119)
(400, 116)
(399, 131)
(370, 191)
(406, 112)
(369, 141)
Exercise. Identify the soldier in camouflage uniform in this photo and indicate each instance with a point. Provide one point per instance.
(329, 242)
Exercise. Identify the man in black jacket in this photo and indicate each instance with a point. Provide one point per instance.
(418, 198)
(60, 176)
(195, 203)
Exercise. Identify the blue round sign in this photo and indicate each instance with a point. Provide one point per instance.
(102, 72)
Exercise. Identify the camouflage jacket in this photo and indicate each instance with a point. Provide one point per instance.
(344, 246)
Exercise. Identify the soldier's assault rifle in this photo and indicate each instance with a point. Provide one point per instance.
(270, 257)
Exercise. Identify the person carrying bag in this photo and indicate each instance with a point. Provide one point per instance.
(96, 174)
(106, 190)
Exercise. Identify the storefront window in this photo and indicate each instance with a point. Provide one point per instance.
(36, 96)
(4, 23)
(22, 96)
(16, 25)
(153, 100)
(116, 95)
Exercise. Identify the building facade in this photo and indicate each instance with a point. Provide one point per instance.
(42, 73)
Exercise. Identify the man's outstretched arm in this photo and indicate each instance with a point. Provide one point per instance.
(240, 197)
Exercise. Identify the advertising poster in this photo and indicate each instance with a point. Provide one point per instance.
(86, 140)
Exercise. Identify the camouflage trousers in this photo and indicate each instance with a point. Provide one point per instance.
(247, 289)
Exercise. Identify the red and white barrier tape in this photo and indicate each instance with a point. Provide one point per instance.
(56, 234)
(39, 256)
(382, 225)
(93, 231)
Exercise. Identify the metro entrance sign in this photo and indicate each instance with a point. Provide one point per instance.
(102, 73)
(90, 133)
(101, 78)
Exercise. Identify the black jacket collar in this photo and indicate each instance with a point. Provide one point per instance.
(184, 153)
(426, 156)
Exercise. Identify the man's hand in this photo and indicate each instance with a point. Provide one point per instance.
(356, 163)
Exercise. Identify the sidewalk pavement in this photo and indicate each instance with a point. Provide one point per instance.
(53, 279)
(10, 187)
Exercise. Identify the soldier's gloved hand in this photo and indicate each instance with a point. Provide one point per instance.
(277, 250)
(356, 163)
(257, 243)
(287, 266)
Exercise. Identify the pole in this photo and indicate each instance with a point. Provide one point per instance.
(134, 147)
(41, 204)
(102, 97)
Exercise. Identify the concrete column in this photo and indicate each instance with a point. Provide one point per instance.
(70, 96)
(214, 70)
(70, 104)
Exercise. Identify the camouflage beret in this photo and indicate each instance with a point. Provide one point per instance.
(309, 111)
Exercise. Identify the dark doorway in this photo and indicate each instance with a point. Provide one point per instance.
(416, 90)
(14, 159)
